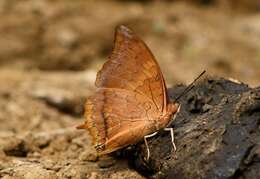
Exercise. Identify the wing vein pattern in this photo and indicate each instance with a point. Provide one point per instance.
(133, 114)
(132, 66)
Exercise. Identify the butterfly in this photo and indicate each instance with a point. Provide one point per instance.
(131, 101)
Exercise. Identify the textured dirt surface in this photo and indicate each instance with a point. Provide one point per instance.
(38, 138)
(50, 52)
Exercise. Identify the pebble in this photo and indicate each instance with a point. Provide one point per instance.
(106, 162)
(88, 156)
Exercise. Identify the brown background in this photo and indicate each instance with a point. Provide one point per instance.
(219, 36)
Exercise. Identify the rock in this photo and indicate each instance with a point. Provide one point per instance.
(42, 141)
(126, 174)
(34, 171)
(94, 175)
(62, 100)
(16, 147)
(89, 155)
(106, 162)
(220, 142)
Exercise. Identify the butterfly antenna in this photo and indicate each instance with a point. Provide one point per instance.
(190, 87)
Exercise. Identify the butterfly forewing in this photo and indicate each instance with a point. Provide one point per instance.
(132, 66)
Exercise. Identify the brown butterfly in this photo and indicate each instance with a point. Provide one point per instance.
(131, 101)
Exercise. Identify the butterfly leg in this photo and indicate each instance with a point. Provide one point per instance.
(172, 137)
(146, 143)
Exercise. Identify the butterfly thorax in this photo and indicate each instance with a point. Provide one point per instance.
(166, 117)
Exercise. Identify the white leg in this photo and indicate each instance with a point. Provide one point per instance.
(172, 137)
(146, 144)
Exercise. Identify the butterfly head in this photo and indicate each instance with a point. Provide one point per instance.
(172, 110)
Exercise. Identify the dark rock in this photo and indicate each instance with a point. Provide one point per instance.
(106, 162)
(216, 133)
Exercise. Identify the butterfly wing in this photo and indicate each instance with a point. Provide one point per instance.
(130, 97)
(116, 118)
(132, 66)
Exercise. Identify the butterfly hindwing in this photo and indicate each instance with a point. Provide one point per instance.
(117, 118)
